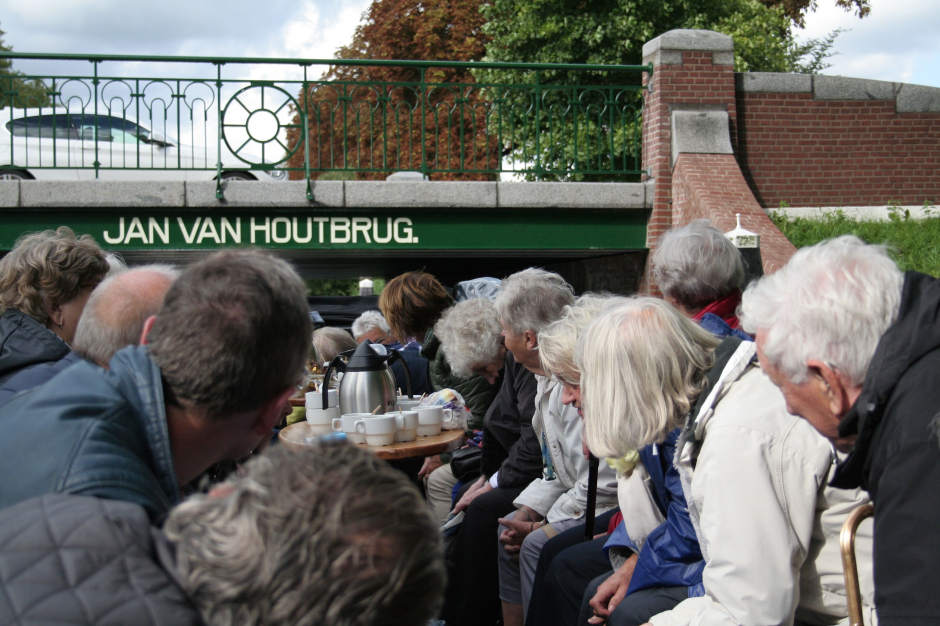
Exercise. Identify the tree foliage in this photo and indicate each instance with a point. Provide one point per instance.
(372, 117)
(17, 91)
(796, 10)
(606, 32)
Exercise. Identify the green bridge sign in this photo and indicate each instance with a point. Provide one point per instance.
(345, 229)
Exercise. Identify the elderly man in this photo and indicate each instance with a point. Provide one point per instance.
(528, 301)
(854, 345)
(259, 550)
(371, 325)
(220, 360)
(471, 337)
(113, 318)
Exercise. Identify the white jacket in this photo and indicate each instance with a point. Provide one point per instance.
(751, 482)
(822, 582)
(559, 427)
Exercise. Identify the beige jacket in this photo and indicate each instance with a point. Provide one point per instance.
(751, 485)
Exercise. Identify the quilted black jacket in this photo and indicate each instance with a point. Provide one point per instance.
(68, 559)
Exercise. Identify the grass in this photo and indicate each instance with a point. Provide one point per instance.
(914, 244)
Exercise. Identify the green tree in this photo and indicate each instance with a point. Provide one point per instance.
(606, 32)
(17, 90)
(796, 10)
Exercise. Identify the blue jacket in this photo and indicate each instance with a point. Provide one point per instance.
(671, 556)
(94, 432)
(24, 343)
(35, 375)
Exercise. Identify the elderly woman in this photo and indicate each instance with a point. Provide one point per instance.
(852, 343)
(700, 272)
(672, 556)
(750, 471)
(45, 282)
(412, 304)
(330, 341)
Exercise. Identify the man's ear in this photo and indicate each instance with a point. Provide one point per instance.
(836, 387)
(531, 339)
(271, 412)
(148, 325)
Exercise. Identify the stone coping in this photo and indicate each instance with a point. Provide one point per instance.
(348, 194)
(908, 98)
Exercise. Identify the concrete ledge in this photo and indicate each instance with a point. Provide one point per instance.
(572, 195)
(918, 99)
(9, 194)
(369, 194)
(842, 88)
(860, 213)
(688, 39)
(102, 193)
(247, 193)
(773, 82)
(722, 58)
(700, 132)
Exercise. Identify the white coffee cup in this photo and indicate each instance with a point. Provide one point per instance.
(347, 424)
(404, 403)
(430, 420)
(378, 429)
(406, 424)
(314, 399)
(321, 420)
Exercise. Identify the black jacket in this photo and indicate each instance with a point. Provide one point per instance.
(24, 342)
(510, 446)
(896, 457)
(68, 559)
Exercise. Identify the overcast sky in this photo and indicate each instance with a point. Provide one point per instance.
(900, 41)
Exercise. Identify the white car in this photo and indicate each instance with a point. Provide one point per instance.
(32, 140)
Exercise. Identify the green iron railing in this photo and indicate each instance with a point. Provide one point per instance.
(557, 121)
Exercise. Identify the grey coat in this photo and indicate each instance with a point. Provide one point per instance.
(67, 559)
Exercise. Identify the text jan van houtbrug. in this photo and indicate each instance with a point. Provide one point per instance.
(267, 230)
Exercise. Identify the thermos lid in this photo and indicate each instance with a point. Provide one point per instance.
(366, 359)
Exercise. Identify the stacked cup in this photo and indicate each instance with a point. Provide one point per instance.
(320, 419)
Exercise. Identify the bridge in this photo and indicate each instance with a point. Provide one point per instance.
(575, 168)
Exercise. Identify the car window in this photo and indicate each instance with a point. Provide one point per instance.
(110, 128)
(57, 126)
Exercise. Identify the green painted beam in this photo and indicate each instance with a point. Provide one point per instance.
(324, 229)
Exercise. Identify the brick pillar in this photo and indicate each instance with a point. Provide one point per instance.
(692, 69)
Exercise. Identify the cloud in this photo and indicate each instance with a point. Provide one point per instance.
(897, 42)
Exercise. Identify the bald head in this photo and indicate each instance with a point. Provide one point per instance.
(117, 309)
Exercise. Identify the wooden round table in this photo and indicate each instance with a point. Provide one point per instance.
(293, 437)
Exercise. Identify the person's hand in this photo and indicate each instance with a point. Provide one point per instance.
(612, 592)
(431, 463)
(480, 487)
(517, 530)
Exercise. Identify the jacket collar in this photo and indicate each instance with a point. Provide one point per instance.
(139, 378)
(44, 345)
(915, 333)
(732, 358)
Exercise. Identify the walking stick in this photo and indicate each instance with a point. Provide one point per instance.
(591, 498)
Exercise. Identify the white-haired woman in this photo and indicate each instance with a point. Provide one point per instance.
(750, 471)
(700, 272)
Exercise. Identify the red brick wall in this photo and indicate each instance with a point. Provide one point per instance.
(804, 152)
(711, 186)
(696, 82)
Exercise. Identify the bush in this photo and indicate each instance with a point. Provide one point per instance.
(913, 243)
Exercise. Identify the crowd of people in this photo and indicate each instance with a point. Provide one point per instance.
(737, 426)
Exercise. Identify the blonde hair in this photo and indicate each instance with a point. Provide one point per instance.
(47, 269)
(557, 341)
(642, 366)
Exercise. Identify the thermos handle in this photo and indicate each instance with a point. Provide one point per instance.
(396, 356)
(338, 364)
